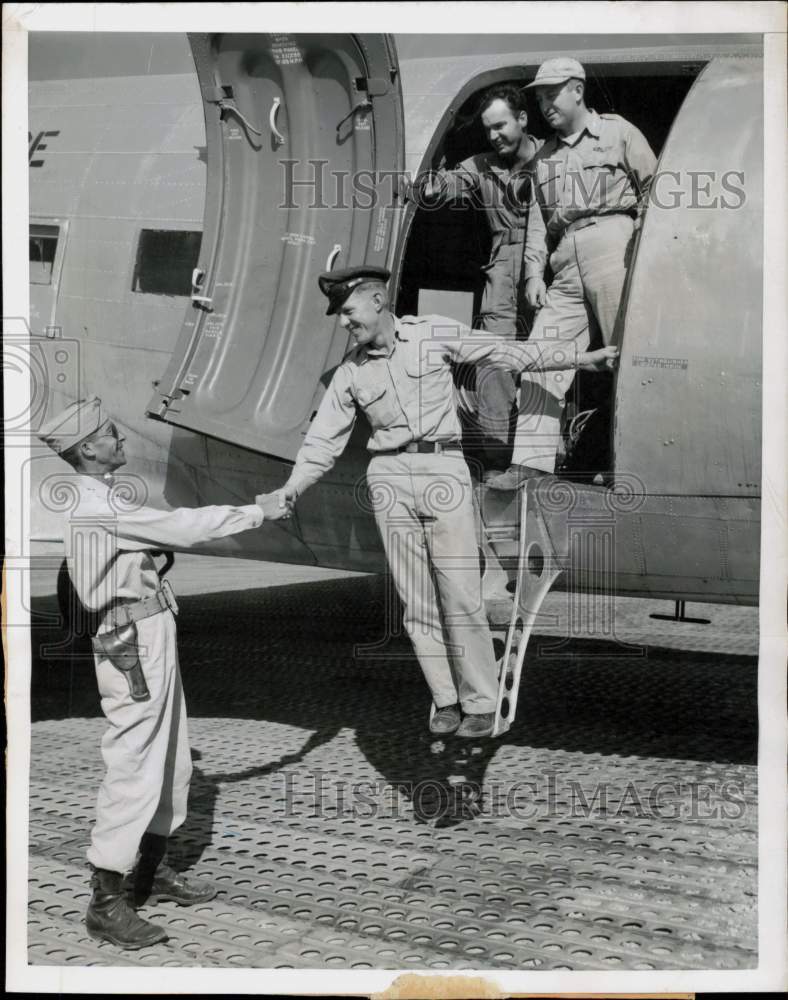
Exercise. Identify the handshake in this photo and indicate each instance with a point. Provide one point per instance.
(277, 506)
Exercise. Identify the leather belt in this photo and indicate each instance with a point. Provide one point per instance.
(592, 220)
(424, 448)
(119, 615)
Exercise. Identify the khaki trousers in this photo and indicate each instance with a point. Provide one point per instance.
(424, 512)
(589, 269)
(145, 750)
(503, 312)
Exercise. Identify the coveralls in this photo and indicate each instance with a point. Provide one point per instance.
(591, 188)
(145, 748)
(489, 183)
(422, 502)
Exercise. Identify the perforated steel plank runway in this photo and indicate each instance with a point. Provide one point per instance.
(614, 827)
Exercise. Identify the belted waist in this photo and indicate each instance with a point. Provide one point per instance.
(506, 237)
(424, 448)
(592, 220)
(120, 614)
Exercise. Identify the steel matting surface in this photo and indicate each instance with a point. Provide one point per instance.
(614, 827)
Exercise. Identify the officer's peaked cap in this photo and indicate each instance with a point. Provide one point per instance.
(337, 285)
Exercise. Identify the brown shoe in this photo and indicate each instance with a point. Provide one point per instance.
(514, 477)
(445, 721)
(477, 725)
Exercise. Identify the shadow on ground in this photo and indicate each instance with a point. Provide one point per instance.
(314, 656)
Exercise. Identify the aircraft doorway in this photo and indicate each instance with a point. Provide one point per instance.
(446, 248)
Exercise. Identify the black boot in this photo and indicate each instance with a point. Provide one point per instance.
(110, 918)
(153, 881)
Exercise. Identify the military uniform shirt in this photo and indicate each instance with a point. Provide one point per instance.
(109, 540)
(606, 169)
(489, 183)
(408, 394)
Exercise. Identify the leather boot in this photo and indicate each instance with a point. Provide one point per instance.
(153, 881)
(110, 918)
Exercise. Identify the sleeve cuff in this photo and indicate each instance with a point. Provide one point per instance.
(255, 512)
(533, 271)
(299, 484)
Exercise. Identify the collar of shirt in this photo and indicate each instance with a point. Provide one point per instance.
(381, 352)
(593, 126)
(504, 168)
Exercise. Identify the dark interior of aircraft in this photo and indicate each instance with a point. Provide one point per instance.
(446, 248)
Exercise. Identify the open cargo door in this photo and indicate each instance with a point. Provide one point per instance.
(688, 385)
(304, 137)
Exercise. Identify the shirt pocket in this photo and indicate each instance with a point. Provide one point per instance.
(598, 176)
(376, 400)
(426, 367)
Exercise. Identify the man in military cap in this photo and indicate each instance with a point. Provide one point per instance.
(498, 184)
(398, 375)
(109, 542)
(591, 180)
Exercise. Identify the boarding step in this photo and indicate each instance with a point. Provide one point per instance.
(520, 565)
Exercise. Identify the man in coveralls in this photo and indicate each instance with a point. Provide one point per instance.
(143, 797)
(398, 375)
(591, 180)
(497, 183)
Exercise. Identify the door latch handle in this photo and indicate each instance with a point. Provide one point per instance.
(226, 105)
(331, 259)
(280, 139)
(203, 301)
(363, 105)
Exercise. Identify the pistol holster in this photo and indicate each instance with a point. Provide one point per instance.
(120, 648)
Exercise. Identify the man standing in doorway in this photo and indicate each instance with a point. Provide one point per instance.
(497, 183)
(398, 375)
(591, 180)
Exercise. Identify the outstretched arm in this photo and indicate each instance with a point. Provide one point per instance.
(327, 436)
(479, 348)
(183, 528)
(604, 359)
(443, 186)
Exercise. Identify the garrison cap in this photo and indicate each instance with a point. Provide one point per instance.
(337, 285)
(557, 71)
(72, 425)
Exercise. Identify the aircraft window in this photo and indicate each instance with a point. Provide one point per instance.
(43, 246)
(165, 261)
